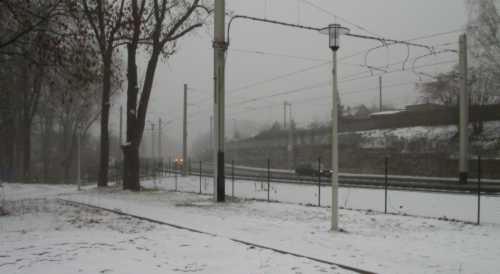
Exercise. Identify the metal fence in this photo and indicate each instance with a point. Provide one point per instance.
(278, 185)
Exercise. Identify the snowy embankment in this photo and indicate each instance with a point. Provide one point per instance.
(372, 241)
(41, 235)
(426, 204)
(378, 138)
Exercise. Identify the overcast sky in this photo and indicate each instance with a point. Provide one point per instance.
(259, 52)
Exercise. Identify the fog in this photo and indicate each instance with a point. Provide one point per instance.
(259, 52)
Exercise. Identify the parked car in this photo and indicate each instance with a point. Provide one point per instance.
(310, 169)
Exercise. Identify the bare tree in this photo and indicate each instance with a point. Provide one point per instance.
(31, 48)
(484, 61)
(443, 89)
(483, 29)
(19, 19)
(105, 18)
(54, 47)
(156, 24)
(484, 37)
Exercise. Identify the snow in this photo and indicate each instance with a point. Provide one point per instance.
(378, 137)
(15, 191)
(50, 236)
(388, 112)
(372, 241)
(42, 235)
(426, 204)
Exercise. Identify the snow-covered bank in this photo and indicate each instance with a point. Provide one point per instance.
(44, 236)
(18, 191)
(376, 242)
(438, 205)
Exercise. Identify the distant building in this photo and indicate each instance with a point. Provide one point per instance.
(361, 112)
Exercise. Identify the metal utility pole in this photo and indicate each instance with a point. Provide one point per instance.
(152, 148)
(78, 158)
(334, 31)
(120, 151)
(160, 151)
(380, 93)
(335, 145)
(220, 46)
(284, 114)
(235, 129)
(121, 129)
(212, 131)
(464, 112)
(184, 134)
(152, 140)
(290, 138)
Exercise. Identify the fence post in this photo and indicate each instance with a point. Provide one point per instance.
(319, 181)
(201, 172)
(168, 167)
(386, 182)
(189, 168)
(175, 174)
(160, 164)
(268, 177)
(478, 190)
(118, 172)
(232, 175)
(153, 171)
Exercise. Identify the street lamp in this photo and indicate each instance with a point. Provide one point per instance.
(334, 31)
(78, 158)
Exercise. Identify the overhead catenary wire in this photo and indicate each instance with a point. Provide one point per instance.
(319, 85)
(335, 16)
(326, 83)
(383, 40)
(283, 76)
(266, 53)
(348, 78)
(308, 100)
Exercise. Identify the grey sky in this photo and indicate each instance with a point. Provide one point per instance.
(396, 19)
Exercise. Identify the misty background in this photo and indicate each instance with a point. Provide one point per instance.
(259, 52)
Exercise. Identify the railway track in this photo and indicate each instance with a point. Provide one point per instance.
(394, 182)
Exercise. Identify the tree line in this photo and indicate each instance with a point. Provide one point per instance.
(62, 62)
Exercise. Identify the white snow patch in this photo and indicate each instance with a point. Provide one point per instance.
(374, 241)
(45, 236)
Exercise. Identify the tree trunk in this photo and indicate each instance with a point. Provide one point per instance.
(131, 168)
(133, 140)
(46, 137)
(105, 106)
(10, 161)
(27, 151)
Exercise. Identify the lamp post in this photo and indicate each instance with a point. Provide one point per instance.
(334, 31)
(78, 159)
(220, 46)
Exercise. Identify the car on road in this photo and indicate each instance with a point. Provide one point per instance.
(310, 169)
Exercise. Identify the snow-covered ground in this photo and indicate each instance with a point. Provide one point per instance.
(439, 205)
(372, 241)
(65, 239)
(42, 235)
